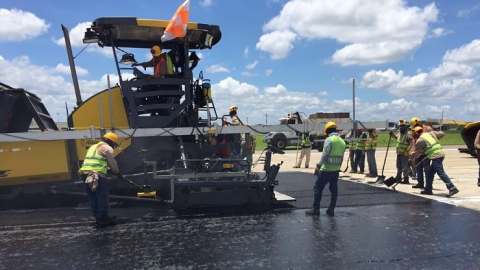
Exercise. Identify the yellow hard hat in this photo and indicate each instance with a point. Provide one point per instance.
(417, 129)
(414, 121)
(111, 137)
(156, 50)
(402, 122)
(233, 108)
(328, 125)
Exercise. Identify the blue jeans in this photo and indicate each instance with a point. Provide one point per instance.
(324, 178)
(437, 167)
(372, 162)
(421, 168)
(97, 199)
(359, 161)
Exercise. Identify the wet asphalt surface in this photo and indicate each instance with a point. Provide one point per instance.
(373, 228)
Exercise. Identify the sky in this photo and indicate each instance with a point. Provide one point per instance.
(408, 58)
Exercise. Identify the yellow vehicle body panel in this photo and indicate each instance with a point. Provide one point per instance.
(32, 162)
(89, 113)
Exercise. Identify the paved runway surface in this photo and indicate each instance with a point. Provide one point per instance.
(373, 228)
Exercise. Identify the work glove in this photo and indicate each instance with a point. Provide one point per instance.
(119, 175)
(405, 154)
(391, 133)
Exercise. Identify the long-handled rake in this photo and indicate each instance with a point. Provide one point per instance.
(381, 178)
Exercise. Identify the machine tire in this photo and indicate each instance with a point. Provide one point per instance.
(280, 142)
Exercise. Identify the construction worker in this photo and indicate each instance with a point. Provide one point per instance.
(362, 137)
(161, 62)
(428, 144)
(404, 142)
(306, 149)
(98, 160)
(370, 149)
(476, 143)
(421, 163)
(235, 121)
(327, 169)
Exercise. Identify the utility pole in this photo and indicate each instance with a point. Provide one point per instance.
(266, 122)
(353, 101)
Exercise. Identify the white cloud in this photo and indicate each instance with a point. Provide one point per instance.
(76, 35)
(465, 13)
(438, 32)
(375, 31)
(248, 74)
(467, 54)
(277, 43)
(18, 25)
(252, 65)
(49, 83)
(448, 82)
(276, 90)
(61, 68)
(206, 3)
(246, 52)
(268, 72)
(217, 69)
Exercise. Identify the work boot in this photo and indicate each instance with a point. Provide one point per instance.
(478, 183)
(426, 192)
(418, 186)
(106, 220)
(306, 167)
(452, 192)
(312, 212)
(296, 167)
(330, 212)
(352, 171)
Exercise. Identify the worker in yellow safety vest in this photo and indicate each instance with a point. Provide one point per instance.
(306, 149)
(421, 163)
(98, 160)
(404, 142)
(429, 145)
(327, 169)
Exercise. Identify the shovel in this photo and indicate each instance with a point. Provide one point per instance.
(381, 178)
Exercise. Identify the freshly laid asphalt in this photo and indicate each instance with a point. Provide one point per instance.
(373, 228)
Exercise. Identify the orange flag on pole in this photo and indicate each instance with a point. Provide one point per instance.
(177, 27)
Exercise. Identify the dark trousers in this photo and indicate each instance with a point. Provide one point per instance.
(352, 159)
(422, 166)
(402, 162)
(97, 199)
(437, 167)
(324, 178)
(359, 161)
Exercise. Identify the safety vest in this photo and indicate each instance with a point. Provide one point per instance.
(165, 58)
(94, 161)
(306, 143)
(402, 144)
(370, 144)
(433, 146)
(335, 158)
(361, 141)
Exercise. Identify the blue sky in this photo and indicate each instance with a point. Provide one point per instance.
(408, 58)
